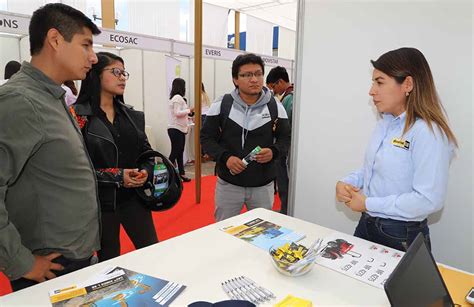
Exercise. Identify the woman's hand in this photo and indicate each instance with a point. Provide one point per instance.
(132, 178)
(357, 202)
(343, 191)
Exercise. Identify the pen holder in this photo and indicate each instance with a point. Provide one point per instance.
(292, 259)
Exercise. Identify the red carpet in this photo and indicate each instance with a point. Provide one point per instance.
(184, 217)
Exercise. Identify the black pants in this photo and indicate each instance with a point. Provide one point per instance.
(137, 222)
(203, 118)
(178, 140)
(392, 233)
(282, 182)
(68, 264)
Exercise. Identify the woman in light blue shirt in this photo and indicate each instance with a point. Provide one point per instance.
(405, 172)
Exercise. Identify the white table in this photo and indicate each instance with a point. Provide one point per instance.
(204, 258)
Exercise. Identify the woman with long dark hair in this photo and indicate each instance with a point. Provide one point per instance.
(115, 137)
(178, 124)
(405, 173)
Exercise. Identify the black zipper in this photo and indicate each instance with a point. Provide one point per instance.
(116, 161)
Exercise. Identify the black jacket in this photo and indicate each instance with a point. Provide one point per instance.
(103, 150)
(245, 128)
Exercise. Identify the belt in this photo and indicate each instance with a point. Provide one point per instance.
(376, 219)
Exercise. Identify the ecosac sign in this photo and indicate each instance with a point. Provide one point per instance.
(124, 39)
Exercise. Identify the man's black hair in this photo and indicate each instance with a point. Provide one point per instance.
(11, 68)
(276, 74)
(248, 58)
(67, 20)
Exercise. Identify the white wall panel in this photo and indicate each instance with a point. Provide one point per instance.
(134, 90)
(208, 67)
(26, 6)
(25, 49)
(259, 36)
(223, 77)
(157, 18)
(286, 43)
(9, 51)
(335, 116)
(156, 99)
(214, 25)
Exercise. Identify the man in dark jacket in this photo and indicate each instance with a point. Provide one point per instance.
(235, 125)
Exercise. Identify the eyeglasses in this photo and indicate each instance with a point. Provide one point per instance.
(118, 72)
(249, 75)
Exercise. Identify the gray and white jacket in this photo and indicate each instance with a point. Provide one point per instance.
(246, 127)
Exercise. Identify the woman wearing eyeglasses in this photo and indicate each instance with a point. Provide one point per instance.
(114, 135)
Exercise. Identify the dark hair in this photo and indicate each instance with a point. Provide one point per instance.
(202, 86)
(70, 84)
(423, 101)
(178, 87)
(91, 86)
(248, 58)
(11, 68)
(277, 73)
(67, 20)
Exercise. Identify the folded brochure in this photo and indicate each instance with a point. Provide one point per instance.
(264, 234)
(118, 286)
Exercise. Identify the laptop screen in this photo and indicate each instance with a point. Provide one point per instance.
(416, 280)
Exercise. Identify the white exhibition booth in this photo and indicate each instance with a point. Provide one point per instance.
(152, 62)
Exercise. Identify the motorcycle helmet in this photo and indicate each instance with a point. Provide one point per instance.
(163, 187)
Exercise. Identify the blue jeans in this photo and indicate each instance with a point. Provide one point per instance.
(392, 233)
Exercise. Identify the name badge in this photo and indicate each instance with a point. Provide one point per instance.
(401, 143)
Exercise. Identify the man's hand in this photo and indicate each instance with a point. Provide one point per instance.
(342, 194)
(42, 268)
(235, 165)
(357, 202)
(264, 156)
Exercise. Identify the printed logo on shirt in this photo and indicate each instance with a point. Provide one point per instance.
(265, 115)
(401, 143)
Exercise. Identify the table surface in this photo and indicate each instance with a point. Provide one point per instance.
(204, 258)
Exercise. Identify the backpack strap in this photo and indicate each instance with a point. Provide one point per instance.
(226, 105)
(273, 109)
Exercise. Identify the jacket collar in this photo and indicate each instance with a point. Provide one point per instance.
(56, 90)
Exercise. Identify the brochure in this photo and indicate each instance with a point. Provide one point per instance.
(264, 234)
(118, 286)
(360, 259)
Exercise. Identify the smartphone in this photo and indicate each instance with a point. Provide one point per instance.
(470, 296)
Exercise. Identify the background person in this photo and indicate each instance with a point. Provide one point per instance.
(279, 82)
(70, 96)
(178, 125)
(115, 137)
(405, 173)
(11, 68)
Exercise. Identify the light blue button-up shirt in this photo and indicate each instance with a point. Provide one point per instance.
(404, 182)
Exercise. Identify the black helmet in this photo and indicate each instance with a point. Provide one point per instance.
(152, 198)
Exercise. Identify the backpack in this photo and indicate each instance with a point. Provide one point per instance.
(228, 101)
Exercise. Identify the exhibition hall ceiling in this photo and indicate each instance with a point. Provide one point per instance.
(279, 12)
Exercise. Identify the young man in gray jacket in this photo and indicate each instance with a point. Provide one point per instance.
(235, 125)
(49, 217)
